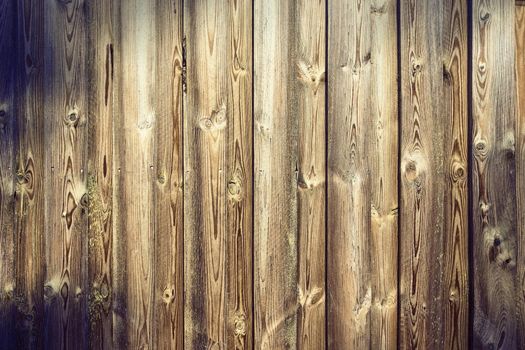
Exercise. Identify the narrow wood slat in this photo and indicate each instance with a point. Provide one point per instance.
(134, 133)
(422, 189)
(455, 102)
(520, 171)
(382, 154)
(240, 176)
(100, 76)
(275, 176)
(349, 182)
(169, 256)
(493, 184)
(66, 121)
(8, 144)
(30, 192)
(309, 77)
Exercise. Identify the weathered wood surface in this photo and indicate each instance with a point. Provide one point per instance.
(203, 174)
(65, 175)
(422, 182)
(455, 158)
(520, 169)
(493, 180)
(309, 81)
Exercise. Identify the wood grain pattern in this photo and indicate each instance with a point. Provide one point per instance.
(66, 120)
(135, 127)
(455, 269)
(311, 191)
(520, 171)
(30, 192)
(422, 176)
(383, 169)
(208, 112)
(275, 176)
(493, 182)
(8, 144)
(240, 176)
(169, 255)
(100, 173)
(350, 78)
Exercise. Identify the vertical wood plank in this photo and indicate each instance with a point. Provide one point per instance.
(8, 144)
(240, 176)
(66, 119)
(455, 102)
(135, 124)
(349, 110)
(494, 199)
(422, 175)
(100, 175)
(382, 154)
(275, 176)
(30, 194)
(207, 111)
(169, 256)
(311, 190)
(520, 167)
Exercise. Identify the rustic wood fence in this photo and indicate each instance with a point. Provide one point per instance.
(268, 174)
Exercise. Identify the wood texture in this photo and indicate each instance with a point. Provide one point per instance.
(493, 190)
(8, 125)
(520, 170)
(100, 173)
(30, 193)
(422, 176)
(168, 176)
(66, 121)
(311, 190)
(455, 105)
(275, 176)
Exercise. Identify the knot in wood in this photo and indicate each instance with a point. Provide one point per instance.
(458, 172)
(168, 295)
(240, 325)
(71, 119)
(235, 188)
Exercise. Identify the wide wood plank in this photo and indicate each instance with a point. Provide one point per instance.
(275, 177)
(311, 187)
(422, 175)
(455, 102)
(493, 184)
(135, 124)
(8, 142)
(66, 120)
(30, 192)
(207, 114)
(382, 154)
(349, 218)
(520, 168)
(169, 256)
(101, 75)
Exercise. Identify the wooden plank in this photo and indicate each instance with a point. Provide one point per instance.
(275, 177)
(100, 175)
(66, 119)
(207, 113)
(422, 175)
(455, 268)
(382, 154)
(349, 201)
(135, 123)
(240, 177)
(493, 183)
(30, 195)
(169, 255)
(520, 171)
(311, 190)
(8, 144)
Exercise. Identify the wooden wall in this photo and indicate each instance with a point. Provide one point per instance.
(267, 174)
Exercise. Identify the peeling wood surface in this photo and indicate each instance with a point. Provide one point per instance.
(249, 174)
